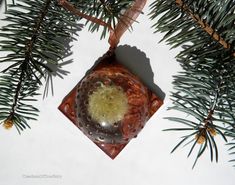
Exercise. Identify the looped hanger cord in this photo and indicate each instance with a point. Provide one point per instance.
(126, 20)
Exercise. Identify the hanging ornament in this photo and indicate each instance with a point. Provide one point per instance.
(110, 105)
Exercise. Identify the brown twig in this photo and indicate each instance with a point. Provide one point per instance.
(68, 6)
(207, 28)
(207, 124)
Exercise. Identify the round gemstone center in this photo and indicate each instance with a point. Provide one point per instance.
(107, 105)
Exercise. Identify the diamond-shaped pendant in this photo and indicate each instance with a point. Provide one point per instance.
(110, 105)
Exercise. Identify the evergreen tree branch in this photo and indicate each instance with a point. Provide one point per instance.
(25, 63)
(205, 87)
(35, 43)
(205, 26)
(17, 93)
(106, 12)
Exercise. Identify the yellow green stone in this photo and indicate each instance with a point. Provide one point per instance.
(107, 104)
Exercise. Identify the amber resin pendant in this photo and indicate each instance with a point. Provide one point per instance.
(110, 105)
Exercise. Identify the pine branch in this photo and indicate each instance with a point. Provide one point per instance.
(17, 113)
(25, 63)
(205, 87)
(17, 92)
(109, 11)
(35, 42)
(204, 25)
